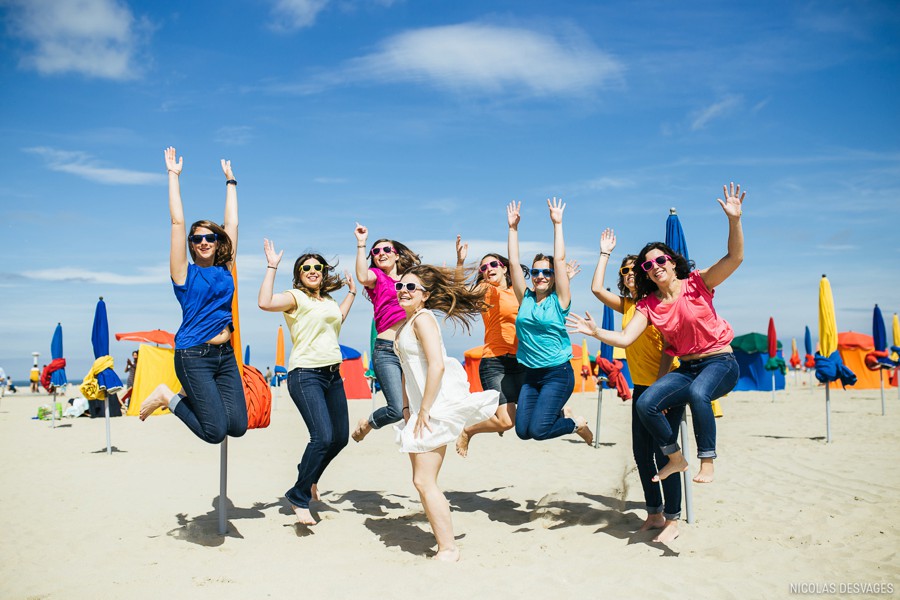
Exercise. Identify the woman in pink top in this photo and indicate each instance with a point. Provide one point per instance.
(678, 302)
(388, 260)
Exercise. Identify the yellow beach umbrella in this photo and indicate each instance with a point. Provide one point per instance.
(279, 348)
(365, 361)
(896, 328)
(828, 339)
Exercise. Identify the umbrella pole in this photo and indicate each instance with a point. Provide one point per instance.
(827, 412)
(599, 406)
(223, 487)
(773, 386)
(881, 385)
(53, 409)
(106, 410)
(686, 476)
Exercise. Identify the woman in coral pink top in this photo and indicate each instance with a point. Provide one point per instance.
(678, 302)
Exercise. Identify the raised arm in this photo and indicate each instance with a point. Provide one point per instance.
(462, 252)
(728, 264)
(347, 302)
(429, 335)
(515, 273)
(621, 339)
(557, 206)
(178, 247)
(607, 245)
(231, 206)
(363, 275)
(267, 300)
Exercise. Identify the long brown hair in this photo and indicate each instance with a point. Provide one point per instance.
(331, 281)
(406, 258)
(623, 289)
(449, 294)
(224, 248)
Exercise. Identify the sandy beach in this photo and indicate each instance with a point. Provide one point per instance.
(549, 519)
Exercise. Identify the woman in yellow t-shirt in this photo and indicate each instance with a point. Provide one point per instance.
(646, 363)
(314, 319)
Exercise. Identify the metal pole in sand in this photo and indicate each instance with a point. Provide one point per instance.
(686, 476)
(881, 385)
(827, 412)
(773, 386)
(223, 487)
(53, 409)
(600, 381)
(106, 410)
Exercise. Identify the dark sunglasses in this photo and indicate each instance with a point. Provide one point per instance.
(659, 260)
(409, 287)
(209, 237)
(385, 249)
(543, 272)
(491, 265)
(625, 270)
(315, 267)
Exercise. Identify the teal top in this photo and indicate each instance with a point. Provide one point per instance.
(541, 329)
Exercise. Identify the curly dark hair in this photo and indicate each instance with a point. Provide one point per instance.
(449, 294)
(331, 281)
(623, 289)
(406, 258)
(224, 247)
(642, 283)
(479, 276)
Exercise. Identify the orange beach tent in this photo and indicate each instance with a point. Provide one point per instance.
(853, 348)
(472, 358)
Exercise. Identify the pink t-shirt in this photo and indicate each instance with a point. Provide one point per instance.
(690, 325)
(384, 300)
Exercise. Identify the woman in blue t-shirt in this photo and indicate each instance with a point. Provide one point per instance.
(211, 402)
(544, 346)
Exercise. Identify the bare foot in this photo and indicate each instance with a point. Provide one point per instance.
(158, 398)
(583, 431)
(448, 555)
(706, 471)
(567, 412)
(462, 444)
(304, 517)
(362, 430)
(676, 464)
(668, 534)
(314, 492)
(654, 521)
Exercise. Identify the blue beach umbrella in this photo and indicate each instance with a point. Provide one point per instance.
(58, 377)
(879, 332)
(675, 235)
(247, 355)
(106, 379)
(606, 351)
(807, 341)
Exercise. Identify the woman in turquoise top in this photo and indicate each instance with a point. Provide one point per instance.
(211, 402)
(544, 346)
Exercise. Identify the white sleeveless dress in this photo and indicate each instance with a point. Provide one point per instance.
(455, 406)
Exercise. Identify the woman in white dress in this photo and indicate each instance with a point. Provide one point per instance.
(437, 404)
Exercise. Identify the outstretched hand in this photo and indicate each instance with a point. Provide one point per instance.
(607, 241)
(172, 165)
(572, 268)
(556, 206)
(351, 284)
(361, 233)
(272, 258)
(734, 200)
(583, 325)
(512, 214)
(226, 168)
(462, 250)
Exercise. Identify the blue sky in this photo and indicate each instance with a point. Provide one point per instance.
(422, 120)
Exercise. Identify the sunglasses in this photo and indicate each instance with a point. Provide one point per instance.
(625, 270)
(542, 272)
(385, 249)
(315, 267)
(409, 287)
(209, 237)
(491, 265)
(659, 260)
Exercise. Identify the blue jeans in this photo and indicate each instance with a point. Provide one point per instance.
(387, 369)
(649, 459)
(504, 374)
(214, 405)
(694, 382)
(320, 398)
(544, 393)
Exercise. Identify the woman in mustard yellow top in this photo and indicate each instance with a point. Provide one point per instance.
(314, 319)
(646, 363)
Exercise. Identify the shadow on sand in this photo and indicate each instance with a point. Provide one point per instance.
(203, 530)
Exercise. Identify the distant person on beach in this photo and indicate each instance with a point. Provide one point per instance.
(211, 402)
(647, 363)
(35, 379)
(387, 261)
(3, 382)
(437, 404)
(314, 319)
(544, 346)
(268, 376)
(131, 368)
(678, 301)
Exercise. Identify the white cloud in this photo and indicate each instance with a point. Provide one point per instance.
(96, 38)
(297, 14)
(489, 59)
(85, 166)
(146, 275)
(234, 135)
(701, 118)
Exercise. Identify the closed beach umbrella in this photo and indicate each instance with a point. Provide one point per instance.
(606, 352)
(107, 378)
(585, 363)
(608, 323)
(879, 336)
(896, 331)
(810, 362)
(795, 354)
(280, 370)
(247, 355)
(772, 364)
(58, 377)
(829, 365)
(828, 340)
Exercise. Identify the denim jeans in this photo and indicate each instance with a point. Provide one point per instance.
(320, 398)
(504, 374)
(387, 369)
(214, 404)
(544, 393)
(649, 459)
(694, 382)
